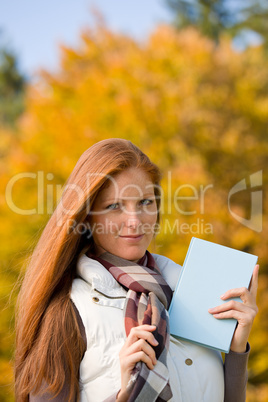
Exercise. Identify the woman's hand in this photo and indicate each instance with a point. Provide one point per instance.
(137, 348)
(244, 312)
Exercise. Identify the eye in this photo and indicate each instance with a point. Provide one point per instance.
(113, 206)
(146, 201)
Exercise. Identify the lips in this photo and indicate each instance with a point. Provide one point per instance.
(132, 237)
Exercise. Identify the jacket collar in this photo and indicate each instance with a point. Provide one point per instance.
(101, 280)
(94, 273)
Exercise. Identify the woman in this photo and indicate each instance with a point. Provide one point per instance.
(92, 322)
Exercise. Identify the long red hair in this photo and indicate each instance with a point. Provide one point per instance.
(48, 339)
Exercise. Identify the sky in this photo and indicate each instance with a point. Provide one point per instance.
(34, 29)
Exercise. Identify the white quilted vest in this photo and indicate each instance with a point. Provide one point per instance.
(196, 373)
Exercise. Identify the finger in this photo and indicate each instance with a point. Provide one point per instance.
(243, 293)
(145, 327)
(253, 287)
(142, 332)
(133, 359)
(141, 345)
(234, 305)
(242, 317)
(231, 305)
(235, 310)
(237, 315)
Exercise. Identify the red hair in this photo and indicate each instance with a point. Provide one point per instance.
(48, 338)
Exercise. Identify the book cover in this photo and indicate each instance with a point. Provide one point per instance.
(209, 270)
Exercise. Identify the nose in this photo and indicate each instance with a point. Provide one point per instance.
(133, 220)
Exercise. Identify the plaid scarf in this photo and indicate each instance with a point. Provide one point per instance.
(147, 302)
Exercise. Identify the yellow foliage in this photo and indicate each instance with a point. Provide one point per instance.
(199, 111)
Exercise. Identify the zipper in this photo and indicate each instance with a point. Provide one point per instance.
(109, 297)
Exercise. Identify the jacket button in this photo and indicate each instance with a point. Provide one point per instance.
(95, 299)
(189, 362)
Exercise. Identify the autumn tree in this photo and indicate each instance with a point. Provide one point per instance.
(200, 113)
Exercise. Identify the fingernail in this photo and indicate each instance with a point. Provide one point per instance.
(222, 296)
(156, 342)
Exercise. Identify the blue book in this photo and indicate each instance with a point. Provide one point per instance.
(209, 270)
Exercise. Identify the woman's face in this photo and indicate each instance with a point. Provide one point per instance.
(124, 215)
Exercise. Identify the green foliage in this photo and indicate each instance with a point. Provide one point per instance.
(216, 17)
(12, 87)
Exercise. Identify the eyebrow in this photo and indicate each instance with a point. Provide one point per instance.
(116, 199)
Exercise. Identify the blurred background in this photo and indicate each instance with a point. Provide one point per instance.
(185, 80)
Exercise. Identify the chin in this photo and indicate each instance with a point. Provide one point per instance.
(132, 256)
(127, 253)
